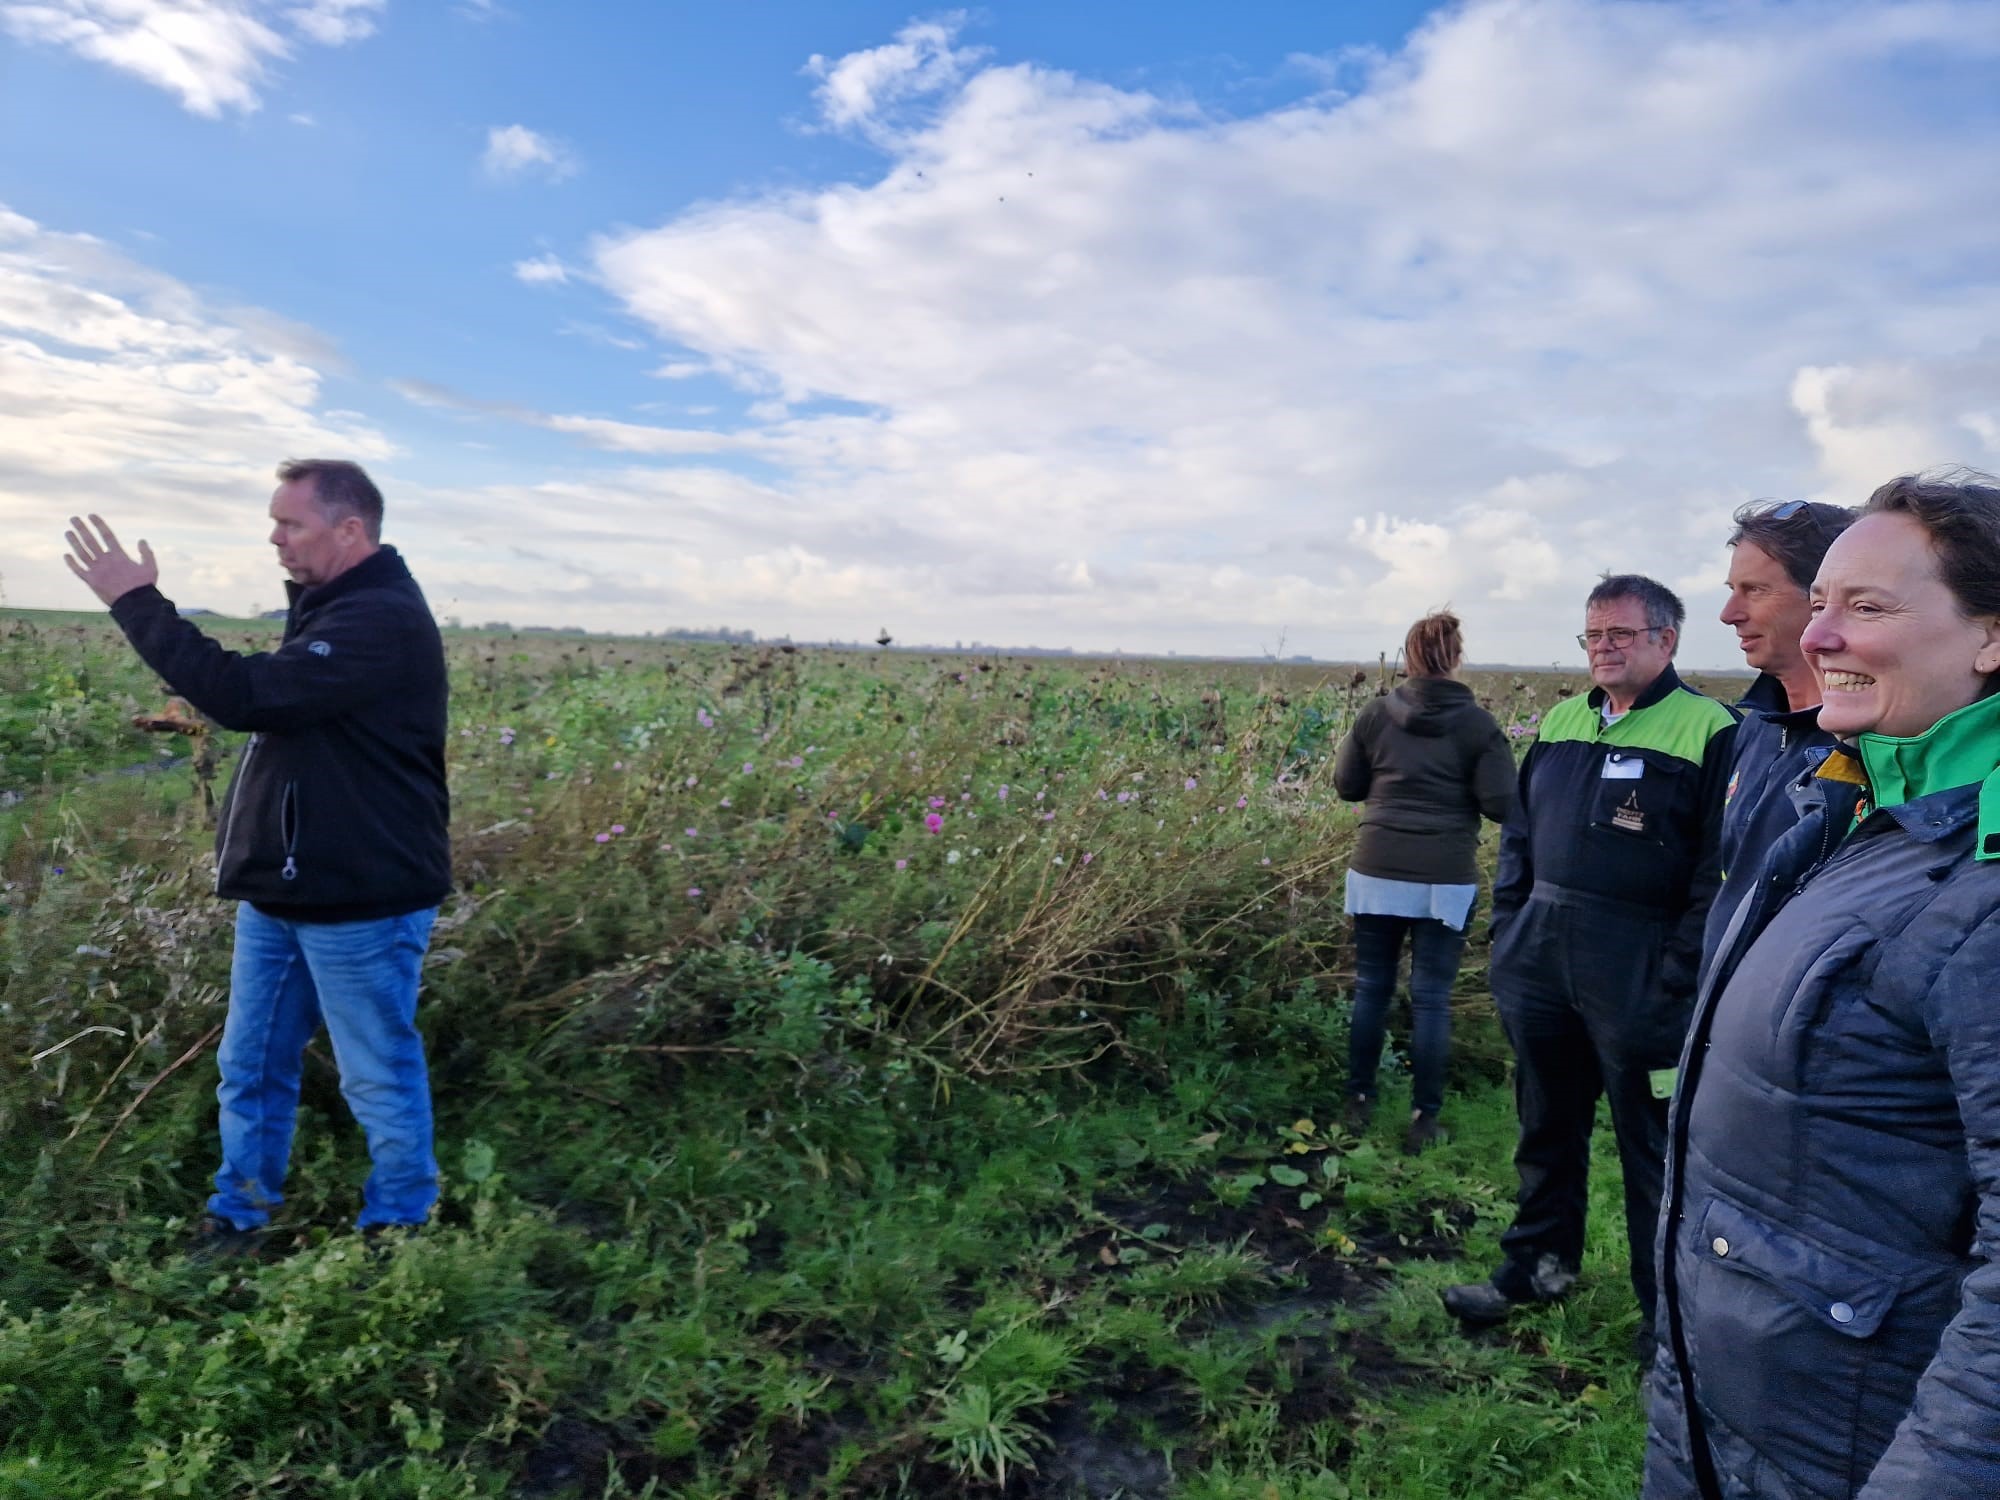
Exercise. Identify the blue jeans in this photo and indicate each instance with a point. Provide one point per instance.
(1434, 954)
(360, 978)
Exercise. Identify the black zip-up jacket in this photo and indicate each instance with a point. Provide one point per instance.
(1427, 760)
(338, 809)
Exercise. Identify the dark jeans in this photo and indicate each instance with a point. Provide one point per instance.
(1576, 984)
(1434, 954)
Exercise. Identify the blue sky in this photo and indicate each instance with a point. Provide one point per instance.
(1157, 327)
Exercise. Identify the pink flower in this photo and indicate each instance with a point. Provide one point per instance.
(618, 765)
(1003, 791)
(937, 802)
(725, 802)
(1191, 783)
(965, 796)
(1241, 803)
(694, 893)
(691, 833)
(902, 864)
(749, 766)
(1100, 794)
(933, 821)
(617, 827)
(604, 838)
(1048, 817)
(1040, 795)
(1086, 859)
(689, 782)
(1124, 796)
(701, 717)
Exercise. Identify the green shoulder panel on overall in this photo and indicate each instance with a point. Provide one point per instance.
(1681, 724)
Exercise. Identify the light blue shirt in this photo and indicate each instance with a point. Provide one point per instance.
(1372, 896)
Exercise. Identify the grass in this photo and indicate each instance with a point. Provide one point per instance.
(995, 1171)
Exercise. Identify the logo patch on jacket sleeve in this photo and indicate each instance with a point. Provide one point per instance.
(319, 648)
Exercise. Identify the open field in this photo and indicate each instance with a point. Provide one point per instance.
(791, 1148)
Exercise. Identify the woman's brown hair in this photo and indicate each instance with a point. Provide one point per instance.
(1434, 647)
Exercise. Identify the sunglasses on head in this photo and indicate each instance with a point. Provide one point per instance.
(1800, 507)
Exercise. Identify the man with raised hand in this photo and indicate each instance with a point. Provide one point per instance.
(1775, 553)
(1607, 868)
(332, 837)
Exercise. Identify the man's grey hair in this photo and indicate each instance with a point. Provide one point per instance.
(341, 488)
(1663, 606)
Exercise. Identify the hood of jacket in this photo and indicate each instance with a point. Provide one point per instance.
(1430, 705)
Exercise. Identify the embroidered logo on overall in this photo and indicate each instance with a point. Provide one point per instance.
(319, 648)
(1628, 815)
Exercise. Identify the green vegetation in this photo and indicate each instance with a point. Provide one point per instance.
(792, 1147)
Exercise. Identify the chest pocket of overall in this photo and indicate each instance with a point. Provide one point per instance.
(1634, 795)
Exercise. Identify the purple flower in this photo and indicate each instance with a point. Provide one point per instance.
(617, 827)
(902, 864)
(618, 765)
(1241, 803)
(1040, 795)
(965, 796)
(933, 821)
(937, 802)
(1192, 783)
(725, 802)
(1048, 817)
(749, 766)
(506, 736)
(1100, 794)
(694, 893)
(701, 717)
(1086, 859)
(604, 838)
(1003, 791)
(691, 833)
(1124, 796)
(690, 781)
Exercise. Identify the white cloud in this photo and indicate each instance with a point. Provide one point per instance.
(123, 392)
(1545, 292)
(334, 23)
(542, 270)
(516, 151)
(215, 55)
(857, 91)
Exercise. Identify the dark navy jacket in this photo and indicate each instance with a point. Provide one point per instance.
(1830, 1232)
(1775, 745)
(338, 809)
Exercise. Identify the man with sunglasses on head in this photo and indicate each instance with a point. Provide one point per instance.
(1607, 868)
(1775, 552)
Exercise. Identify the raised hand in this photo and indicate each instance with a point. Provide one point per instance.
(102, 561)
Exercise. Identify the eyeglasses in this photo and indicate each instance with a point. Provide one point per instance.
(1618, 637)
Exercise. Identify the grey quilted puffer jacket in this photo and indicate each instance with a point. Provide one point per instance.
(1830, 1231)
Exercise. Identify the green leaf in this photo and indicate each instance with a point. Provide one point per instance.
(1287, 1176)
(477, 1161)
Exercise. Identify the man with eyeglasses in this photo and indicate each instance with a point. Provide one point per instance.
(1774, 553)
(1607, 868)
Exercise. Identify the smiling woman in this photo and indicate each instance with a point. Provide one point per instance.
(1836, 1135)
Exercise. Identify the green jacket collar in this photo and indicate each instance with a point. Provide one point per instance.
(1961, 749)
